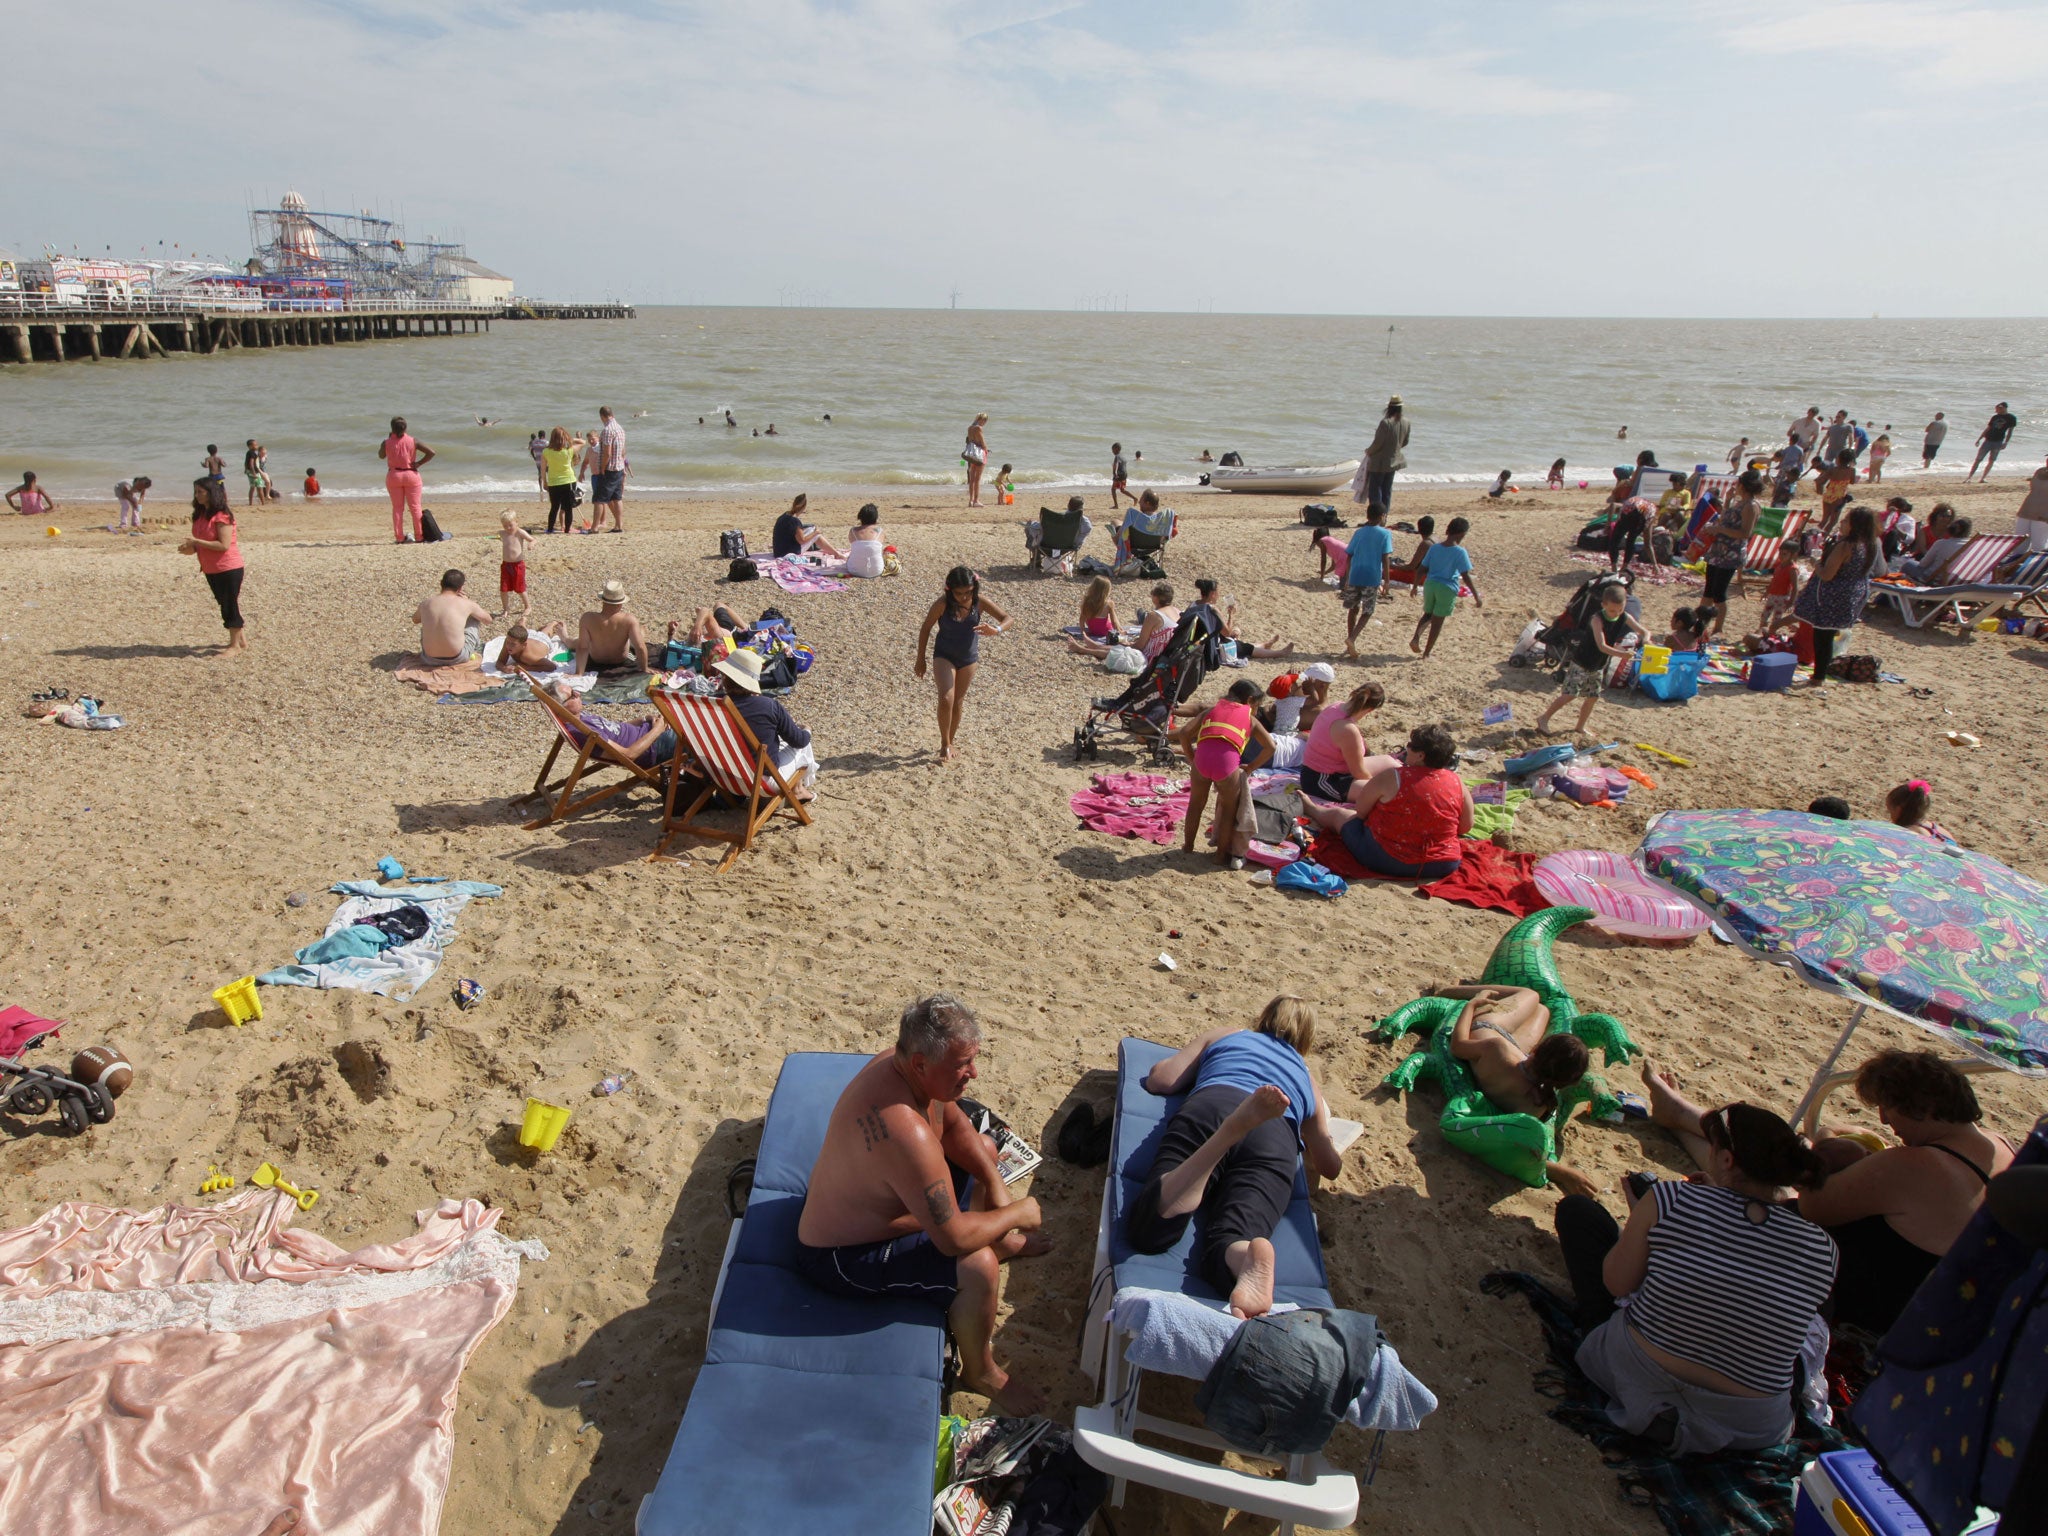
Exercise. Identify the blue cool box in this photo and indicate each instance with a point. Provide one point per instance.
(1843, 1493)
(1772, 673)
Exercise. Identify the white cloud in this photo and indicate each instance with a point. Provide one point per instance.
(1926, 42)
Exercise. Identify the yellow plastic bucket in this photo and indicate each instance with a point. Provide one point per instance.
(238, 1000)
(1656, 660)
(542, 1125)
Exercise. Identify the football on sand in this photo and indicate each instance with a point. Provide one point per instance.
(103, 1064)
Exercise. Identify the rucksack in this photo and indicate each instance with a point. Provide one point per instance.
(742, 569)
(732, 545)
(1321, 515)
(1853, 669)
(430, 531)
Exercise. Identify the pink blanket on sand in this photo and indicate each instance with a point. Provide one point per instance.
(1133, 805)
(187, 1372)
(796, 576)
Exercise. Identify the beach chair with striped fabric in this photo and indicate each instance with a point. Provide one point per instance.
(1761, 552)
(734, 764)
(1966, 590)
(593, 755)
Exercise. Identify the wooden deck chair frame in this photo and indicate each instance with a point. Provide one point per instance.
(718, 737)
(593, 755)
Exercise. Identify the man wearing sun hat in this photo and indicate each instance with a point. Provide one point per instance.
(787, 742)
(1389, 452)
(610, 639)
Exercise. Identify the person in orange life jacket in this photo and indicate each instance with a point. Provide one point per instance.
(1216, 742)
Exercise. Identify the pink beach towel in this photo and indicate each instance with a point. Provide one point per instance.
(205, 1372)
(795, 576)
(1133, 805)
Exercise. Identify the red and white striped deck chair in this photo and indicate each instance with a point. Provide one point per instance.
(1963, 590)
(593, 755)
(1761, 552)
(735, 765)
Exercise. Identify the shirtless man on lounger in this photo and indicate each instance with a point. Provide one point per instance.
(883, 1218)
(611, 639)
(449, 623)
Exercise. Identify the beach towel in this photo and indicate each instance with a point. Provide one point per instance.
(798, 576)
(560, 653)
(1181, 1336)
(1726, 665)
(1490, 878)
(1729, 1493)
(20, 1029)
(429, 677)
(1646, 573)
(1141, 805)
(627, 688)
(397, 971)
(204, 1372)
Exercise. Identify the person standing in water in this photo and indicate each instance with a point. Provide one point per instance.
(961, 617)
(976, 455)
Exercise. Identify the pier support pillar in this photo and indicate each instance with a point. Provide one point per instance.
(17, 344)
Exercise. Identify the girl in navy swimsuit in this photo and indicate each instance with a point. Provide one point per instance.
(961, 617)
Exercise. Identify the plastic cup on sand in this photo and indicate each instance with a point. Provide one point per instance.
(238, 1000)
(542, 1125)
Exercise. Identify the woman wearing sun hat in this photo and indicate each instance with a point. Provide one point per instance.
(787, 742)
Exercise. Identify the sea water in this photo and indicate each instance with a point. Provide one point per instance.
(901, 386)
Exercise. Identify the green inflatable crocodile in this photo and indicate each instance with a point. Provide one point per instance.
(1519, 1145)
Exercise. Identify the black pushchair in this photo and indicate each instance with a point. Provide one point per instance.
(1144, 710)
(1554, 643)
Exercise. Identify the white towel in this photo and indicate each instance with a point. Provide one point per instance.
(1184, 1337)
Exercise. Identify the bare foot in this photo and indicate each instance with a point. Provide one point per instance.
(1415, 646)
(946, 754)
(1667, 1105)
(1036, 1245)
(1351, 655)
(1260, 1105)
(1007, 1393)
(1252, 1296)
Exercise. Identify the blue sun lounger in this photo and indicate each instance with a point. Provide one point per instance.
(811, 1412)
(1309, 1490)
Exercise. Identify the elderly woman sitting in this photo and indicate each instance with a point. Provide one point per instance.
(1405, 813)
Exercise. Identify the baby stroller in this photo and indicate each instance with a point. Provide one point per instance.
(1549, 647)
(1145, 709)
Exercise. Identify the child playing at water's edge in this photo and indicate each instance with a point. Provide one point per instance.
(1444, 567)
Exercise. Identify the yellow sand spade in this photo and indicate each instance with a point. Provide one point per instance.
(270, 1176)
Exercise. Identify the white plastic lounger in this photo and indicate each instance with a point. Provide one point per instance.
(1307, 1489)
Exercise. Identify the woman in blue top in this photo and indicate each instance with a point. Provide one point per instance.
(961, 617)
(1444, 566)
(1232, 1148)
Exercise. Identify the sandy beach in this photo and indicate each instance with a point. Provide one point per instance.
(153, 864)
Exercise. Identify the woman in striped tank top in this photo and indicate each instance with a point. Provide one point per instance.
(1717, 1282)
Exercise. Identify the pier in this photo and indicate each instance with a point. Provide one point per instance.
(539, 309)
(34, 330)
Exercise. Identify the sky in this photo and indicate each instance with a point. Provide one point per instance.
(1520, 157)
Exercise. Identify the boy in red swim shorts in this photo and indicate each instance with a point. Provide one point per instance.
(512, 564)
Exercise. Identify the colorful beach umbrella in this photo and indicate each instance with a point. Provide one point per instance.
(1946, 938)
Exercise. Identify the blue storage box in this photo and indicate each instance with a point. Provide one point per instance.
(1680, 678)
(1843, 1493)
(1772, 673)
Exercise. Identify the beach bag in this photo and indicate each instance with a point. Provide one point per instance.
(1853, 669)
(1125, 660)
(1307, 875)
(1320, 514)
(430, 531)
(678, 656)
(742, 570)
(892, 563)
(576, 494)
(803, 658)
(732, 545)
(778, 673)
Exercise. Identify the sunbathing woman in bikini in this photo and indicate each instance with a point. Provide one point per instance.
(1504, 1036)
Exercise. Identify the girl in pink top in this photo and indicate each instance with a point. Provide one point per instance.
(403, 459)
(219, 550)
(1334, 754)
(30, 499)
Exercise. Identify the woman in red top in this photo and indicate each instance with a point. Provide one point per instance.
(214, 541)
(403, 459)
(1406, 816)
(1217, 742)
